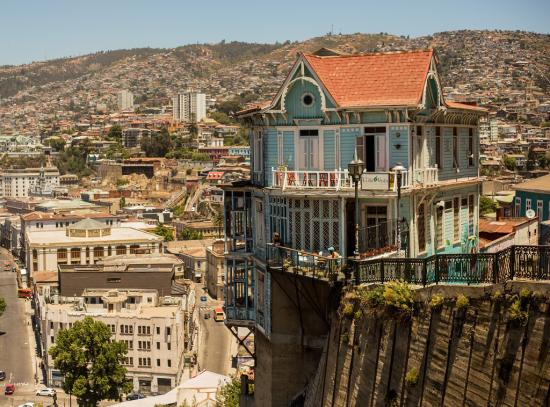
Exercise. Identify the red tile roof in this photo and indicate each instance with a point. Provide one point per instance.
(456, 105)
(386, 79)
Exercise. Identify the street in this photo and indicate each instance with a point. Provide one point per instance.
(214, 348)
(15, 346)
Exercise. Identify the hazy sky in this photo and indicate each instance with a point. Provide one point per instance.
(33, 30)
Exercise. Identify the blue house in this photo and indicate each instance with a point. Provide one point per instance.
(533, 194)
(387, 109)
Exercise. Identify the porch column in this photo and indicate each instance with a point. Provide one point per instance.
(342, 217)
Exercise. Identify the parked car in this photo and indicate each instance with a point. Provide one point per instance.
(46, 391)
(27, 404)
(9, 389)
(204, 298)
(135, 396)
(2, 375)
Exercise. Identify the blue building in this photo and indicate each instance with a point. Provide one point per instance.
(387, 109)
(533, 194)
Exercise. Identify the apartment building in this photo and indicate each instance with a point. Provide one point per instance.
(85, 242)
(19, 183)
(125, 100)
(189, 107)
(154, 328)
(416, 156)
(215, 269)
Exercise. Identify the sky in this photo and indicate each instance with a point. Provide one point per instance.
(33, 30)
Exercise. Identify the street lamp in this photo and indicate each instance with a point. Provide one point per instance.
(398, 170)
(355, 169)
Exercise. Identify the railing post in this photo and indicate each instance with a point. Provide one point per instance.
(356, 271)
(382, 271)
(436, 269)
(424, 271)
(496, 258)
(512, 263)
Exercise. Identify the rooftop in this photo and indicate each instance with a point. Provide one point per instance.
(118, 234)
(541, 184)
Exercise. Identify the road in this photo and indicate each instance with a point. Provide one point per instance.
(215, 341)
(15, 344)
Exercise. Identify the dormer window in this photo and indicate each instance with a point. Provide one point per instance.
(307, 99)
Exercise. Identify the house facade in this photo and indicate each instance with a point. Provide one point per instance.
(386, 109)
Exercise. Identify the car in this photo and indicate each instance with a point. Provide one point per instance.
(27, 404)
(2, 375)
(204, 298)
(46, 391)
(9, 389)
(135, 396)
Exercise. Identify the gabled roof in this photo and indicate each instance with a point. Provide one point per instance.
(382, 79)
(540, 184)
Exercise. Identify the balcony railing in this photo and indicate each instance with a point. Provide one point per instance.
(335, 180)
(515, 262)
(426, 176)
(303, 263)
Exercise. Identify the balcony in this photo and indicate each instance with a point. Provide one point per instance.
(339, 180)
(302, 263)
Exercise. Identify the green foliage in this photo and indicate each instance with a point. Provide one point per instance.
(188, 234)
(229, 394)
(411, 378)
(115, 132)
(486, 205)
(90, 362)
(436, 302)
(517, 314)
(222, 118)
(122, 202)
(117, 151)
(22, 162)
(347, 310)
(121, 182)
(158, 144)
(200, 156)
(462, 301)
(2, 305)
(164, 231)
(57, 143)
(524, 294)
(509, 163)
(497, 296)
(395, 298)
(178, 210)
(358, 315)
(73, 160)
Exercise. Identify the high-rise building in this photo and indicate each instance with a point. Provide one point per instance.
(189, 107)
(125, 100)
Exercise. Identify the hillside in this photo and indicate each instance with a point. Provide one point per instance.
(485, 65)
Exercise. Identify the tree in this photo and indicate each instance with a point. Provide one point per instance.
(90, 362)
(157, 145)
(164, 231)
(486, 205)
(222, 118)
(229, 394)
(115, 132)
(2, 305)
(122, 202)
(58, 144)
(509, 163)
(188, 234)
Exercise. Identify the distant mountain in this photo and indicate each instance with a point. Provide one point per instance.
(482, 65)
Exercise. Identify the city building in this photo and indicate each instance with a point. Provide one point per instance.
(125, 100)
(20, 183)
(189, 107)
(533, 194)
(85, 242)
(205, 228)
(417, 183)
(155, 328)
(215, 269)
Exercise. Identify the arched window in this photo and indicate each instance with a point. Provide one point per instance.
(98, 252)
(120, 250)
(134, 248)
(75, 253)
(61, 254)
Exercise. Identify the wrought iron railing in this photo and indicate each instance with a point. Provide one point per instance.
(515, 262)
(303, 263)
(381, 237)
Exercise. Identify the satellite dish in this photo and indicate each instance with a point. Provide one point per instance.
(530, 213)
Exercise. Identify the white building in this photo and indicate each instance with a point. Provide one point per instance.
(154, 328)
(85, 242)
(125, 100)
(189, 107)
(18, 183)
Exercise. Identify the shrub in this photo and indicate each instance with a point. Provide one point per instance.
(497, 296)
(524, 294)
(462, 301)
(517, 314)
(395, 298)
(436, 302)
(347, 311)
(358, 314)
(411, 378)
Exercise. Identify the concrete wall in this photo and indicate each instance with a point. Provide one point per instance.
(473, 357)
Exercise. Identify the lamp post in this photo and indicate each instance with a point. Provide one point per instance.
(355, 169)
(398, 170)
